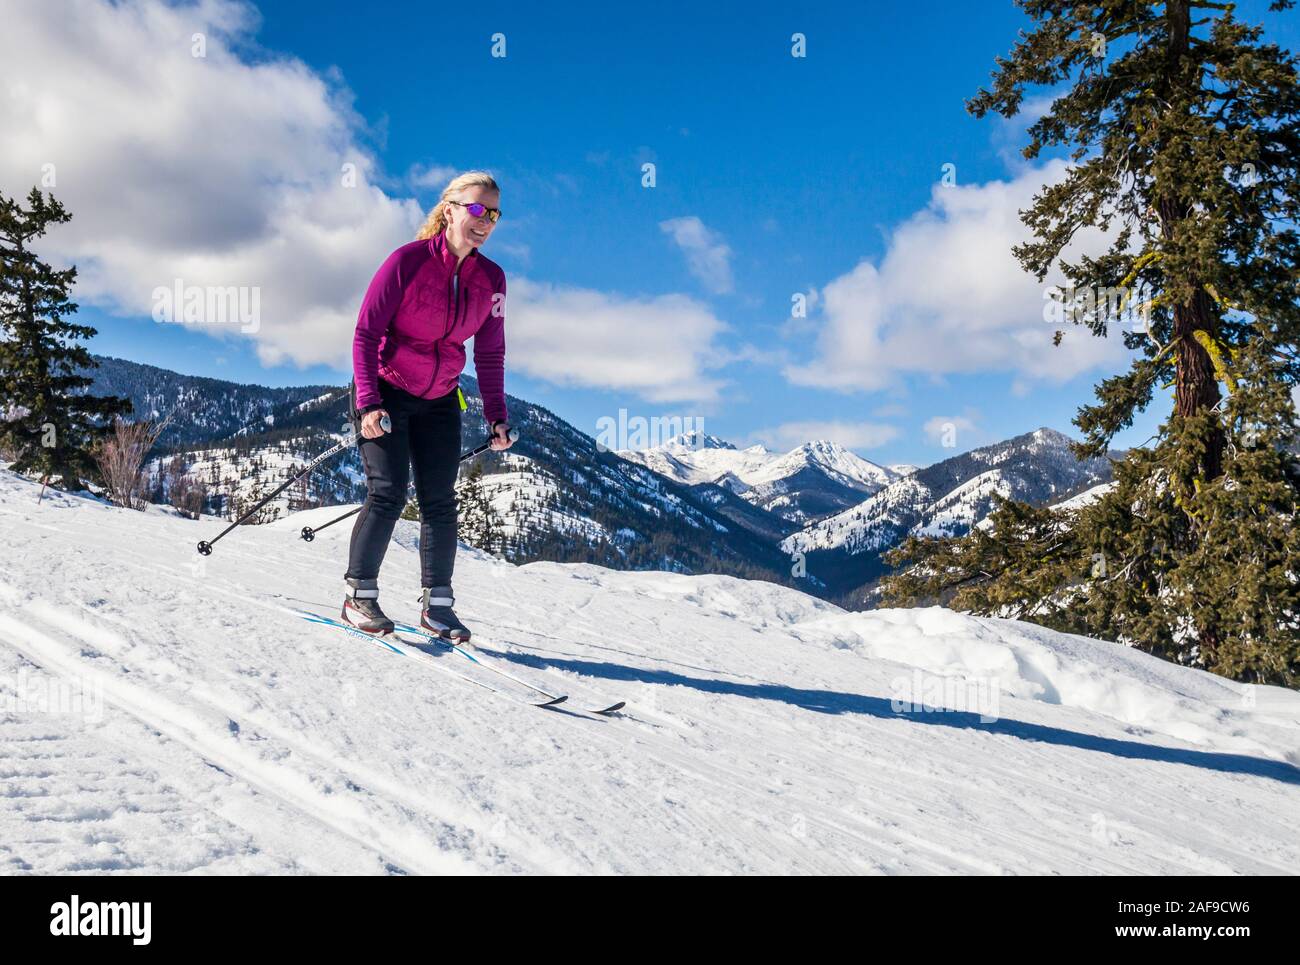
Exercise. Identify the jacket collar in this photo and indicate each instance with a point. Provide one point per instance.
(438, 246)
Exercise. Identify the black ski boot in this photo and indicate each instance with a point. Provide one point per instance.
(437, 616)
(361, 607)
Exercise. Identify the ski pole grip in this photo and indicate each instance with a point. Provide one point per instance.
(512, 435)
(385, 423)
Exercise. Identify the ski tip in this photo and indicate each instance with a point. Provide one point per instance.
(612, 708)
(554, 701)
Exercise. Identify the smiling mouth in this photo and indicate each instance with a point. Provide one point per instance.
(480, 235)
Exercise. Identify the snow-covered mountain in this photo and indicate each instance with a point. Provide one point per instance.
(575, 502)
(696, 504)
(234, 477)
(809, 482)
(165, 713)
(696, 457)
(203, 409)
(1078, 500)
(944, 499)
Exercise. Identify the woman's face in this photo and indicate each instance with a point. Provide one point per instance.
(465, 230)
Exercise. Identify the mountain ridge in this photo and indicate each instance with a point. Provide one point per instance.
(817, 517)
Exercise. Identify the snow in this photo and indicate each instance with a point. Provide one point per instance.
(162, 712)
(1085, 498)
(677, 460)
(526, 490)
(1078, 501)
(304, 406)
(834, 460)
(712, 460)
(1028, 467)
(872, 524)
(952, 514)
(247, 476)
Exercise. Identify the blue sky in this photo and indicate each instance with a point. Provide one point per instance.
(815, 175)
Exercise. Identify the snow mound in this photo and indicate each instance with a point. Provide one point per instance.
(1034, 663)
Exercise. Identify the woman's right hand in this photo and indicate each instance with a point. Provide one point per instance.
(370, 427)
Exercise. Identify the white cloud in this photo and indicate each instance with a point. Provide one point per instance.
(707, 256)
(207, 169)
(433, 176)
(752, 353)
(656, 348)
(222, 172)
(521, 252)
(850, 435)
(949, 297)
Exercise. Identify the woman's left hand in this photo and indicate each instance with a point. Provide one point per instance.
(501, 436)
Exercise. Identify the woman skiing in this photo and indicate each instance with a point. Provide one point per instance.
(427, 299)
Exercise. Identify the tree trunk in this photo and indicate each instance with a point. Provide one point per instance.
(1196, 386)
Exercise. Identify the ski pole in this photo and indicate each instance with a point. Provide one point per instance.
(309, 532)
(512, 435)
(205, 546)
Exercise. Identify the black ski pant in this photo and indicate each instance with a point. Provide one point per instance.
(425, 438)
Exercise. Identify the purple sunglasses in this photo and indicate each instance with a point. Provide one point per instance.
(478, 210)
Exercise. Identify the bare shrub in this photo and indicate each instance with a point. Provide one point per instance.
(184, 491)
(120, 456)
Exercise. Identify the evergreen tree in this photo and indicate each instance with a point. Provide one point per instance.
(1185, 135)
(50, 425)
(480, 525)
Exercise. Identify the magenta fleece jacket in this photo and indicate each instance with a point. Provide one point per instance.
(419, 312)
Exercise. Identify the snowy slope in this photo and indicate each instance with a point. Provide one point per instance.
(519, 497)
(221, 733)
(1085, 498)
(1077, 501)
(244, 478)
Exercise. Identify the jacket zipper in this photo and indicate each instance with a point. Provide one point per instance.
(455, 317)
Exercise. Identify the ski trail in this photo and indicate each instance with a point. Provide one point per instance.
(310, 784)
(84, 795)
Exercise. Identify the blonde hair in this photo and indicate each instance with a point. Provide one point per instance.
(437, 219)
